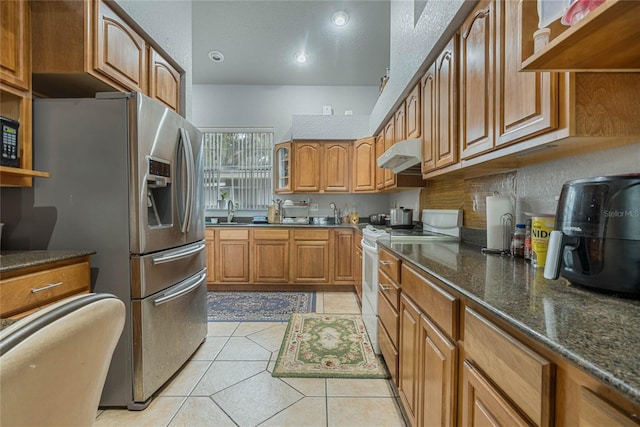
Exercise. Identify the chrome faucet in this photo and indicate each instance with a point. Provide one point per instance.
(230, 211)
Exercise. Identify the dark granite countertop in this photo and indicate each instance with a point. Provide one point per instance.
(250, 224)
(596, 332)
(15, 260)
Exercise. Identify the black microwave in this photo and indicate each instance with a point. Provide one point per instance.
(10, 142)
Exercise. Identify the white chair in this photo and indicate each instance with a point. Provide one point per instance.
(53, 363)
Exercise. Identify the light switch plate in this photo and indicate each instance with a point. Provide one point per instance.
(313, 207)
(327, 110)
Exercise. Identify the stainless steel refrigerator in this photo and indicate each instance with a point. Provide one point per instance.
(127, 182)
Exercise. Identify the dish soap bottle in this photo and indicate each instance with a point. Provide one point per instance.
(354, 218)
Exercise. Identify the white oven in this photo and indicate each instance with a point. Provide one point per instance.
(437, 225)
(370, 284)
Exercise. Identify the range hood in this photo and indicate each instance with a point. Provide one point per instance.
(402, 155)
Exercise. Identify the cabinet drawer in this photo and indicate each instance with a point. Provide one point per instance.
(440, 306)
(389, 264)
(279, 234)
(311, 234)
(523, 375)
(209, 233)
(389, 352)
(32, 290)
(389, 318)
(389, 289)
(234, 234)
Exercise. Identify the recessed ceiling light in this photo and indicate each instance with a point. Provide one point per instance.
(301, 57)
(216, 56)
(340, 18)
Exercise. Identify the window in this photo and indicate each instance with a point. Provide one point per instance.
(238, 166)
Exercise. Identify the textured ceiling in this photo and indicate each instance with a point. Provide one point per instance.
(259, 39)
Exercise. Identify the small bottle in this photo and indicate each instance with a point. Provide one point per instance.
(517, 242)
(527, 240)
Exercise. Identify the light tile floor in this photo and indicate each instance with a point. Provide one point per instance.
(228, 382)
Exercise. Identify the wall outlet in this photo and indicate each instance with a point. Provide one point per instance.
(313, 207)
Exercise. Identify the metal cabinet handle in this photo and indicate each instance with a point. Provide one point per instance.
(385, 262)
(384, 287)
(44, 288)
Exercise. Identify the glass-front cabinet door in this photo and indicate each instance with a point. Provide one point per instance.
(282, 169)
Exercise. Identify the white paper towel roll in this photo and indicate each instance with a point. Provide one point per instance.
(497, 206)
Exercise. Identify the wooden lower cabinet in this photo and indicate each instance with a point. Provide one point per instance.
(596, 412)
(232, 248)
(344, 256)
(310, 261)
(408, 362)
(438, 376)
(427, 369)
(483, 405)
(209, 243)
(26, 290)
(270, 250)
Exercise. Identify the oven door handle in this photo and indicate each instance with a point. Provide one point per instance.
(187, 286)
(367, 245)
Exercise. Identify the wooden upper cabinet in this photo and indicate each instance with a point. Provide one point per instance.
(477, 65)
(120, 53)
(428, 101)
(400, 123)
(364, 165)
(446, 153)
(336, 167)
(526, 103)
(413, 119)
(322, 166)
(164, 81)
(389, 140)
(89, 46)
(15, 55)
(379, 171)
(307, 164)
(282, 168)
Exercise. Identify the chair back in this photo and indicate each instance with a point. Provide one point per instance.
(54, 362)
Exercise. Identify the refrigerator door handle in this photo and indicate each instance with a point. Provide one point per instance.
(188, 162)
(185, 287)
(177, 254)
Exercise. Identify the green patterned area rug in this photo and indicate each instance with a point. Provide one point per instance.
(327, 346)
(257, 306)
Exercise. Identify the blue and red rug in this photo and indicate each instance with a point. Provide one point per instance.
(254, 306)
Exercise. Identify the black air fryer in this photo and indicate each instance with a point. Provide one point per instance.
(596, 242)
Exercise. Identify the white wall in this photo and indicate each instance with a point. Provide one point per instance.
(169, 24)
(273, 106)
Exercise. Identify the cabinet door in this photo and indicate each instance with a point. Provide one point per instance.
(476, 81)
(271, 261)
(438, 361)
(120, 53)
(389, 140)
(482, 405)
(209, 243)
(379, 171)
(232, 255)
(307, 157)
(364, 167)
(282, 168)
(447, 107)
(336, 173)
(409, 343)
(15, 55)
(310, 261)
(344, 256)
(164, 81)
(527, 102)
(413, 118)
(400, 123)
(596, 412)
(428, 94)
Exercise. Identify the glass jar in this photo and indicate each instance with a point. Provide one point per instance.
(517, 242)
